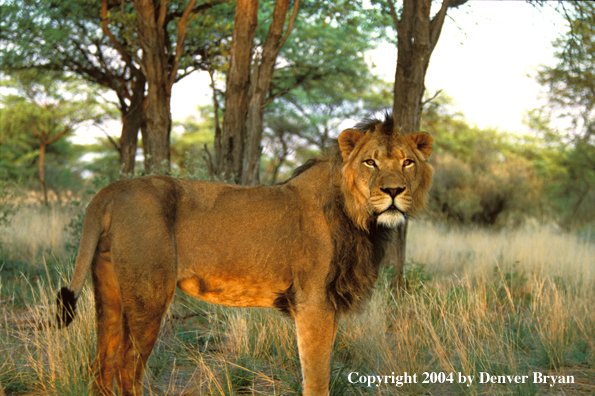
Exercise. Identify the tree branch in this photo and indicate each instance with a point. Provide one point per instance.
(290, 24)
(436, 25)
(196, 10)
(58, 136)
(163, 13)
(209, 162)
(300, 80)
(182, 26)
(432, 98)
(393, 14)
(104, 26)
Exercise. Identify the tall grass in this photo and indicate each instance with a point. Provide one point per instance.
(34, 231)
(474, 253)
(509, 302)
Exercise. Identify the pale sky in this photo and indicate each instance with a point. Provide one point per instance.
(486, 53)
(484, 59)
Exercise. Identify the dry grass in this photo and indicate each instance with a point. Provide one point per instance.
(506, 303)
(35, 230)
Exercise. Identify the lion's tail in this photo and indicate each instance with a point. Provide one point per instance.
(92, 229)
(66, 302)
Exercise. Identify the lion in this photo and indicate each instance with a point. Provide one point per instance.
(310, 247)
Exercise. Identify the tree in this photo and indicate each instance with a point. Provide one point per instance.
(570, 85)
(262, 74)
(315, 50)
(157, 25)
(45, 109)
(571, 82)
(98, 41)
(247, 89)
(417, 36)
(69, 36)
(229, 158)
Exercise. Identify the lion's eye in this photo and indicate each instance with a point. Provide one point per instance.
(407, 162)
(370, 163)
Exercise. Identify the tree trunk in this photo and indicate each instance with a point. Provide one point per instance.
(417, 37)
(155, 68)
(413, 45)
(131, 123)
(262, 76)
(213, 167)
(230, 157)
(42, 146)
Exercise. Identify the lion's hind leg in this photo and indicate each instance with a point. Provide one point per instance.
(128, 323)
(128, 326)
(108, 306)
(147, 286)
(142, 322)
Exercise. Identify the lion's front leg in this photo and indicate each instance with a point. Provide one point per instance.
(316, 327)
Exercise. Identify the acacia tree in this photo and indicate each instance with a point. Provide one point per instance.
(45, 109)
(99, 42)
(248, 82)
(417, 35)
(315, 50)
(69, 36)
(570, 85)
(159, 64)
(160, 32)
(571, 81)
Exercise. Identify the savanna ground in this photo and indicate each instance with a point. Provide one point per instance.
(506, 302)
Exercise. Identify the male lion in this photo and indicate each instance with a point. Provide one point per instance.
(310, 247)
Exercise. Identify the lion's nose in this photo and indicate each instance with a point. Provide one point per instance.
(393, 192)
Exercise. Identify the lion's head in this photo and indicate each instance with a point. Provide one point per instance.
(385, 176)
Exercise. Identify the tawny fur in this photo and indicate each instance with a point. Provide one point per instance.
(310, 247)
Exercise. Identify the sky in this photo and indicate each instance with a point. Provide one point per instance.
(485, 60)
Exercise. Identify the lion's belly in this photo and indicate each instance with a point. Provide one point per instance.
(245, 249)
(249, 272)
(233, 290)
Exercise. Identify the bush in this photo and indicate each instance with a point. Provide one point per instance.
(492, 194)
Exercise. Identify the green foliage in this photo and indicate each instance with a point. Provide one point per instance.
(567, 122)
(571, 82)
(41, 109)
(415, 276)
(565, 166)
(192, 144)
(321, 85)
(300, 124)
(98, 159)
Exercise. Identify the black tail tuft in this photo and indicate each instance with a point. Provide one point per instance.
(66, 307)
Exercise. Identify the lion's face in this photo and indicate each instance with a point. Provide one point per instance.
(385, 176)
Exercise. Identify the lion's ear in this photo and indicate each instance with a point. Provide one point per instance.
(347, 141)
(424, 143)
